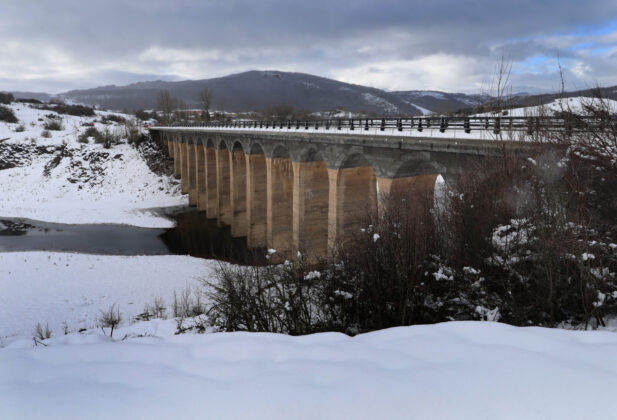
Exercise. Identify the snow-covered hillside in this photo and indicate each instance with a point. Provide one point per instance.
(577, 104)
(59, 179)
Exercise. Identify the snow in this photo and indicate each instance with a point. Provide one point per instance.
(456, 370)
(123, 190)
(436, 95)
(380, 102)
(575, 104)
(54, 288)
(424, 111)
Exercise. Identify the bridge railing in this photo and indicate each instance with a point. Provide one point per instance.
(528, 125)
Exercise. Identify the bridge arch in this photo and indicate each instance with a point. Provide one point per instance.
(413, 181)
(222, 144)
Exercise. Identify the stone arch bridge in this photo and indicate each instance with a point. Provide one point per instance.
(295, 190)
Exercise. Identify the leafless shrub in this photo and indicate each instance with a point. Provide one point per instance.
(187, 304)
(42, 334)
(132, 132)
(110, 318)
(276, 298)
(53, 123)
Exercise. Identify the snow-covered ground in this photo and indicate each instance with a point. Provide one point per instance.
(457, 370)
(56, 288)
(87, 183)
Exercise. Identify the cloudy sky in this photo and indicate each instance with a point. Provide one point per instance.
(451, 45)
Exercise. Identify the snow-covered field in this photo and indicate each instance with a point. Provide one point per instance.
(86, 184)
(56, 288)
(458, 370)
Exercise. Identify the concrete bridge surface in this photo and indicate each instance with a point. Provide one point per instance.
(303, 190)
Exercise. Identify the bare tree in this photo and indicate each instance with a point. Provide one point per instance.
(110, 318)
(205, 96)
(502, 87)
(167, 105)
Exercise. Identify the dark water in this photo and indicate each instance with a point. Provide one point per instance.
(193, 235)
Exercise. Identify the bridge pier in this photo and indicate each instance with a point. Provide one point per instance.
(352, 199)
(279, 202)
(192, 174)
(237, 163)
(310, 210)
(184, 167)
(256, 206)
(223, 188)
(200, 180)
(170, 146)
(177, 159)
(211, 183)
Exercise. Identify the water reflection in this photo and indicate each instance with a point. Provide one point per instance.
(197, 236)
(193, 235)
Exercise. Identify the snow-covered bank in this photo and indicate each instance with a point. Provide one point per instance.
(122, 194)
(54, 288)
(59, 179)
(458, 370)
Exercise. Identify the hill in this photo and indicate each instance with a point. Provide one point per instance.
(253, 90)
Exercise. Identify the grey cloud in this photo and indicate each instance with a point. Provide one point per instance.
(323, 37)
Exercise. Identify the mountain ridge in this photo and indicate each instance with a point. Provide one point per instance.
(256, 90)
